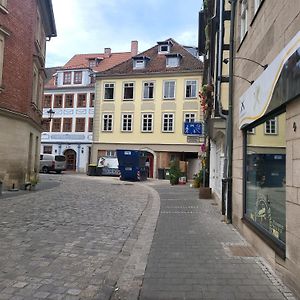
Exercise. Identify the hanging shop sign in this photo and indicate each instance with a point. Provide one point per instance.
(277, 85)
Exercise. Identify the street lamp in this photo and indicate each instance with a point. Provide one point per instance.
(50, 112)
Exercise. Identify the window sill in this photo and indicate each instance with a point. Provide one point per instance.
(191, 98)
(168, 98)
(272, 242)
(109, 100)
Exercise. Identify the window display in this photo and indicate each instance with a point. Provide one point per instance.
(265, 178)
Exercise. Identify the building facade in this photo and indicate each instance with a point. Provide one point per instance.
(265, 83)
(25, 26)
(144, 103)
(70, 94)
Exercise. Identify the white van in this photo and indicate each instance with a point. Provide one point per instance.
(51, 162)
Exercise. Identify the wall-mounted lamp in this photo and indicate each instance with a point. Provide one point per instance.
(50, 112)
(226, 78)
(226, 61)
(250, 81)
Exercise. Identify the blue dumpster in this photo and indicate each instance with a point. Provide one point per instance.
(132, 164)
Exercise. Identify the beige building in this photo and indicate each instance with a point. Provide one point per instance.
(145, 103)
(266, 119)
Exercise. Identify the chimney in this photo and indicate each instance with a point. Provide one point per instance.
(107, 51)
(134, 48)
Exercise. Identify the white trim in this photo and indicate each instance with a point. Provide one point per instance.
(123, 90)
(164, 82)
(112, 121)
(152, 121)
(109, 83)
(122, 122)
(196, 88)
(173, 122)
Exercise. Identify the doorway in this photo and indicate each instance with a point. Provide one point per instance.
(70, 155)
(149, 164)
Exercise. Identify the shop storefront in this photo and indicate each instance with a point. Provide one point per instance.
(263, 121)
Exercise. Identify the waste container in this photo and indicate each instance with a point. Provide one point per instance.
(167, 173)
(161, 173)
(99, 171)
(92, 170)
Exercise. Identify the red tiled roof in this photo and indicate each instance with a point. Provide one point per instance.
(80, 61)
(157, 63)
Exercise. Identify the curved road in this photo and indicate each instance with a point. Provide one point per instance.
(72, 238)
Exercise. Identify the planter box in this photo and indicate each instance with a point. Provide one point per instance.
(204, 193)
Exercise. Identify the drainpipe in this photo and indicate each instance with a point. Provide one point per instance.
(230, 115)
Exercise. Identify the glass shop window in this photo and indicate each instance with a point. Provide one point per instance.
(265, 191)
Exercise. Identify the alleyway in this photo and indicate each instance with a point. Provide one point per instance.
(81, 237)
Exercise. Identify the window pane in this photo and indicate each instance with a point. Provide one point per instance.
(69, 99)
(265, 178)
(109, 91)
(128, 91)
(169, 89)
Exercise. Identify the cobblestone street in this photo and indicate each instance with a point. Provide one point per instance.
(65, 242)
(80, 237)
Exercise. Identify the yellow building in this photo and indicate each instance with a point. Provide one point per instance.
(143, 104)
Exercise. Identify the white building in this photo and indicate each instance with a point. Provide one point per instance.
(70, 94)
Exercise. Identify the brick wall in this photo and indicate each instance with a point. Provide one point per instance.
(18, 57)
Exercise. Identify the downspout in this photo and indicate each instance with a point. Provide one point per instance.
(230, 115)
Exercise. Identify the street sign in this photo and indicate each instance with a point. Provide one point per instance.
(193, 128)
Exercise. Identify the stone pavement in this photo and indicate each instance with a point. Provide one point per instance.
(81, 237)
(70, 239)
(194, 255)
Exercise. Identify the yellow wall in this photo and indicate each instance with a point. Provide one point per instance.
(259, 138)
(178, 106)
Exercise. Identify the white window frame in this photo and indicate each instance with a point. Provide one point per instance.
(172, 61)
(251, 130)
(149, 119)
(168, 117)
(139, 64)
(129, 84)
(192, 83)
(244, 18)
(107, 127)
(165, 96)
(108, 85)
(164, 51)
(272, 122)
(190, 117)
(127, 122)
(144, 90)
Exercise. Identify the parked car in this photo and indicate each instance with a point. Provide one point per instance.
(51, 162)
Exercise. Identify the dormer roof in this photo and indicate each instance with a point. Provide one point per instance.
(156, 63)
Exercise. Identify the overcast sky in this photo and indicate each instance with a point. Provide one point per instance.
(90, 26)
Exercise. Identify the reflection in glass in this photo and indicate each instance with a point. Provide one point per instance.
(265, 178)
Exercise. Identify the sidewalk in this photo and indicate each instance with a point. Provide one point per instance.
(196, 256)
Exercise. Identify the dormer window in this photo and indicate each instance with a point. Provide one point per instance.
(164, 47)
(139, 62)
(173, 60)
(94, 62)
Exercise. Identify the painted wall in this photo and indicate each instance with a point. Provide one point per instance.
(158, 106)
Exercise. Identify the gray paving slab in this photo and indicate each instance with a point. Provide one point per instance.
(189, 257)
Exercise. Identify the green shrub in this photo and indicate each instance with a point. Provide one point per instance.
(174, 173)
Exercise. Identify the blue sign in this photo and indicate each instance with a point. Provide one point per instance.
(193, 128)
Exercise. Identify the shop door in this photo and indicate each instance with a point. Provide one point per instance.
(70, 160)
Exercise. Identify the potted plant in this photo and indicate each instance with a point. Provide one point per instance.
(175, 173)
